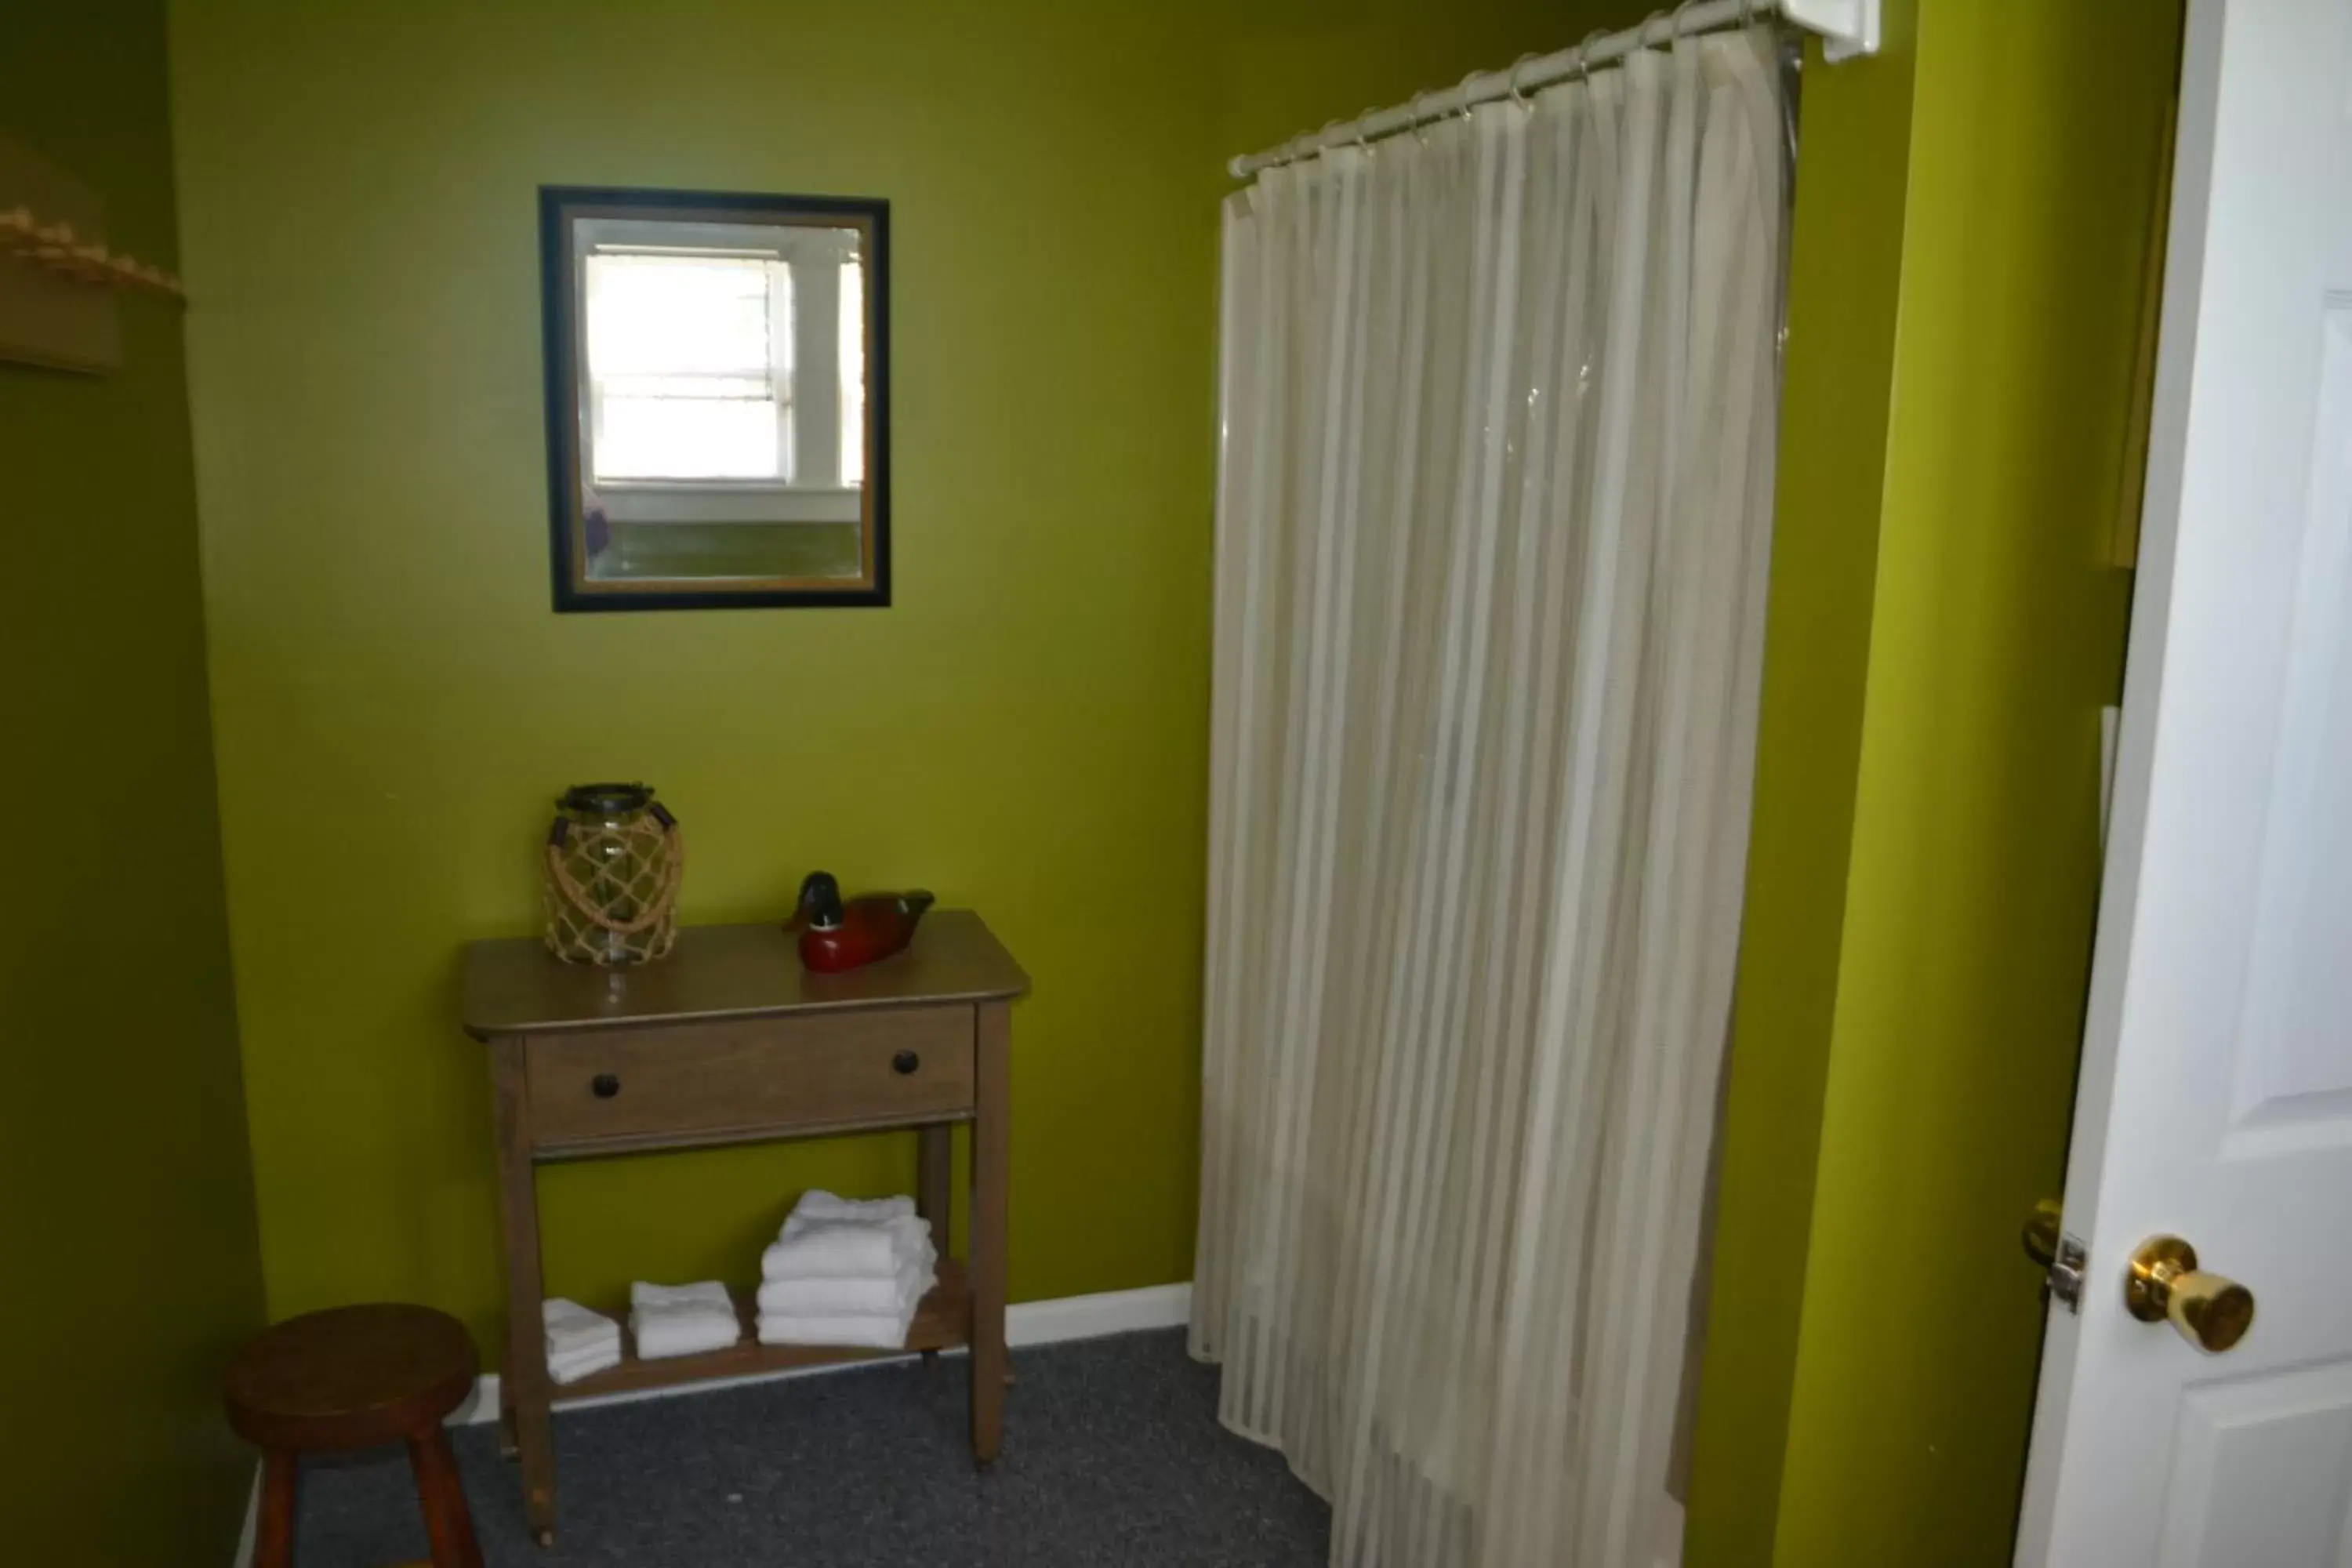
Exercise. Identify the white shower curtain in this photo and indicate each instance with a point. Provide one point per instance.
(1493, 524)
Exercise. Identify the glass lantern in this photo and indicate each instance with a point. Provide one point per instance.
(613, 860)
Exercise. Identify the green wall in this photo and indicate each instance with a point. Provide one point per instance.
(1024, 730)
(1900, 1089)
(1844, 273)
(133, 1269)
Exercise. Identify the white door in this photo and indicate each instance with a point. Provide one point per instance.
(2216, 1094)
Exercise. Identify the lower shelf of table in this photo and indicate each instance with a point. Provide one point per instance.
(942, 1321)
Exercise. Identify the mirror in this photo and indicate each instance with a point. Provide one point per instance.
(718, 409)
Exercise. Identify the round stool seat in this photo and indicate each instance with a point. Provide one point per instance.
(349, 1377)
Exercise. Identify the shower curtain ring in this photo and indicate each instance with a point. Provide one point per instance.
(1463, 87)
(1419, 125)
(1513, 79)
(1675, 22)
(1584, 55)
(1363, 128)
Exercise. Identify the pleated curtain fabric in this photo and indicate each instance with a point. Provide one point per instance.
(1499, 408)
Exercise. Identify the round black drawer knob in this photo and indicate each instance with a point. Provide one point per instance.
(905, 1062)
(605, 1086)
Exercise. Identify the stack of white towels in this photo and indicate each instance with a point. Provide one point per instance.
(843, 1271)
(664, 1321)
(579, 1342)
(846, 1271)
(682, 1319)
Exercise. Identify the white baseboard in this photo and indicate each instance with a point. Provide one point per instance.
(1025, 1323)
(1091, 1317)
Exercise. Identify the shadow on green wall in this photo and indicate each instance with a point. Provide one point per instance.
(134, 1266)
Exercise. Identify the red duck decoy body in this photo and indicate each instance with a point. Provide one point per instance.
(837, 933)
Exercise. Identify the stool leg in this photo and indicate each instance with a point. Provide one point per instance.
(273, 1533)
(446, 1523)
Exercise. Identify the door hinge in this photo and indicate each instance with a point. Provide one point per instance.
(2065, 1282)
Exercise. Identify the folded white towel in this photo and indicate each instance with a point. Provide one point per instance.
(573, 1327)
(889, 1296)
(817, 1205)
(682, 1319)
(870, 1331)
(837, 1249)
(571, 1366)
(663, 1334)
(669, 1297)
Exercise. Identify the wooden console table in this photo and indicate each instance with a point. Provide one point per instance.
(729, 1040)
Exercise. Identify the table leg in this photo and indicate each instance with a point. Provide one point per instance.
(523, 1383)
(935, 1189)
(991, 1178)
(935, 1180)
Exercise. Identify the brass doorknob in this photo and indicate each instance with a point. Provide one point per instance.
(2165, 1286)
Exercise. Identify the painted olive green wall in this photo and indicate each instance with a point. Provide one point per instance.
(1023, 731)
(1845, 272)
(133, 1269)
(1939, 1083)
(1288, 66)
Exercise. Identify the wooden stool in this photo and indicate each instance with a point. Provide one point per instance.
(356, 1377)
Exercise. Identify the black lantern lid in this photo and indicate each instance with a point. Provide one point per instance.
(607, 799)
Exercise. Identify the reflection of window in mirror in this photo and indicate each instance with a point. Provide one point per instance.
(716, 414)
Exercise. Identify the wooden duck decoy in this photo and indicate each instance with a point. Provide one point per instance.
(837, 933)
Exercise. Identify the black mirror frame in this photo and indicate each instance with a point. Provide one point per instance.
(557, 307)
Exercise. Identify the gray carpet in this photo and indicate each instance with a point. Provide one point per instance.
(1112, 1455)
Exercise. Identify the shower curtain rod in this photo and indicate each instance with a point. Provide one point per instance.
(1848, 27)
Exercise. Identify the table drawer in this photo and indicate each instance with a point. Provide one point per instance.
(646, 1086)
